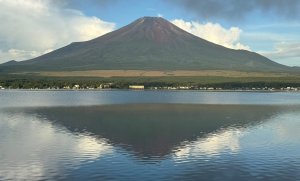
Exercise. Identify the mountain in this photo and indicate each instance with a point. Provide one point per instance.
(149, 43)
(11, 62)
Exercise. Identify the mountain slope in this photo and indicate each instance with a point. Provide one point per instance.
(148, 43)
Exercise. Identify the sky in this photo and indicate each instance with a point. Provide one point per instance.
(30, 28)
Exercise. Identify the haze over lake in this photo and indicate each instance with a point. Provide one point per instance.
(149, 135)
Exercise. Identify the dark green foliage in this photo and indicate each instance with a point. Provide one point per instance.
(28, 82)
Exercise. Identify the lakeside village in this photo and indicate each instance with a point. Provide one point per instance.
(108, 86)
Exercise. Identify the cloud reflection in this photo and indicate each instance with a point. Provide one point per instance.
(226, 141)
(34, 147)
(91, 148)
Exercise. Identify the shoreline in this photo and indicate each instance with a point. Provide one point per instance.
(154, 90)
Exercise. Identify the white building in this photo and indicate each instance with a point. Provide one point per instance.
(76, 86)
(136, 87)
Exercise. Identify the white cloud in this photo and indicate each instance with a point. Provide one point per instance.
(213, 32)
(283, 50)
(281, 47)
(14, 54)
(160, 15)
(32, 27)
(287, 53)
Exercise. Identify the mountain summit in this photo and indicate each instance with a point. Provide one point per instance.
(149, 43)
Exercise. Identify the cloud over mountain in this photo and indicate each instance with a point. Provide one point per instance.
(285, 50)
(33, 27)
(214, 33)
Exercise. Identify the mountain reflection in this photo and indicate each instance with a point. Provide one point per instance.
(156, 130)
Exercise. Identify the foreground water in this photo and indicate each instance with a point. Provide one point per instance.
(149, 135)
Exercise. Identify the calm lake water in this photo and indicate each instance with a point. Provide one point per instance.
(149, 135)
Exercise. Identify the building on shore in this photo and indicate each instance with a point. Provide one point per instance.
(76, 86)
(140, 87)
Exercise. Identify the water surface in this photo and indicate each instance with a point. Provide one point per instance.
(145, 135)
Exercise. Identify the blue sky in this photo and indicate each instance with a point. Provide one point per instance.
(269, 27)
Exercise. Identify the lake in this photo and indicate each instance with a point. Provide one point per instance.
(149, 135)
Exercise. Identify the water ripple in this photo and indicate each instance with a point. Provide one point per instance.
(230, 145)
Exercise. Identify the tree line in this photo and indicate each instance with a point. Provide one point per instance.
(124, 84)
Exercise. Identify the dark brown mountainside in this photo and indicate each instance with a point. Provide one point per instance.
(149, 43)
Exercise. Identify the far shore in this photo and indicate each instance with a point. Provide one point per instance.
(206, 80)
(181, 90)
